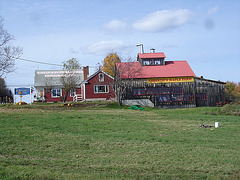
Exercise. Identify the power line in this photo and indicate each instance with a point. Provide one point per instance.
(33, 61)
(52, 64)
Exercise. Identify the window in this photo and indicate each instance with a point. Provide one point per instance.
(177, 97)
(101, 89)
(56, 93)
(146, 63)
(164, 98)
(188, 97)
(201, 97)
(177, 90)
(164, 90)
(152, 91)
(157, 62)
(101, 77)
(177, 94)
(72, 93)
(139, 92)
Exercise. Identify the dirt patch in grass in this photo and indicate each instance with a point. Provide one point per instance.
(32, 108)
(12, 110)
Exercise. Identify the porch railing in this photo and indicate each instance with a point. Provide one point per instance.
(77, 97)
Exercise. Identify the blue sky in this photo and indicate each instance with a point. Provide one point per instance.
(205, 33)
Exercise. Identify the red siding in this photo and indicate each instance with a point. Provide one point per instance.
(89, 90)
(49, 98)
(89, 87)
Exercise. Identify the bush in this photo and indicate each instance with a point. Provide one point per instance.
(230, 109)
(232, 91)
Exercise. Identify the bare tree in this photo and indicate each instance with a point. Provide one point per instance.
(70, 79)
(8, 53)
(125, 75)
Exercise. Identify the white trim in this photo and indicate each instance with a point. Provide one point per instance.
(84, 92)
(94, 74)
(73, 91)
(43, 95)
(106, 88)
(101, 79)
(56, 96)
(107, 74)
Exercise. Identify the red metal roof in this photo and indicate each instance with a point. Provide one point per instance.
(170, 69)
(151, 55)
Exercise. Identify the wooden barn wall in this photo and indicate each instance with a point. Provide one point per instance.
(187, 94)
(214, 90)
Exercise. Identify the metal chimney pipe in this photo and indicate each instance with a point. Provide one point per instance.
(141, 48)
(152, 50)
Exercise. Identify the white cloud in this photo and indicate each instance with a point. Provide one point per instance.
(104, 47)
(213, 10)
(115, 25)
(163, 20)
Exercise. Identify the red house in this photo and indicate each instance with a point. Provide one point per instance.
(99, 86)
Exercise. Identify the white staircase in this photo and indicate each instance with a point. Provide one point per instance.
(77, 97)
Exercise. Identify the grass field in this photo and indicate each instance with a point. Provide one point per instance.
(109, 142)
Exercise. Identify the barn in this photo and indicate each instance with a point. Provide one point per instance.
(153, 81)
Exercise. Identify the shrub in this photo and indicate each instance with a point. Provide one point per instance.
(232, 91)
(230, 109)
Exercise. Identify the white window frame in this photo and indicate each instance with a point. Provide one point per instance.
(106, 87)
(72, 91)
(101, 77)
(157, 62)
(146, 62)
(56, 96)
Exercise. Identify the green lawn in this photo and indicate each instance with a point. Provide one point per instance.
(108, 142)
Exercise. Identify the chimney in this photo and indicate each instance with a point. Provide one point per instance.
(141, 48)
(152, 50)
(85, 72)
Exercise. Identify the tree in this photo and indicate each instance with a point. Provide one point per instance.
(8, 53)
(4, 91)
(70, 79)
(125, 75)
(110, 62)
(232, 91)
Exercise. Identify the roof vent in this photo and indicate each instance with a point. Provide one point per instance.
(141, 48)
(152, 50)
